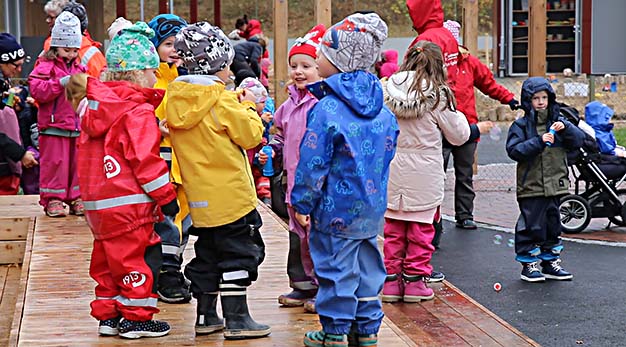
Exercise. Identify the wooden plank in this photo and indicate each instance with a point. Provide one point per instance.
(537, 38)
(281, 29)
(323, 14)
(20, 206)
(13, 228)
(470, 26)
(12, 252)
(23, 282)
(10, 278)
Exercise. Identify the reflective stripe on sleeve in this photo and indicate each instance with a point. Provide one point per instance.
(156, 183)
(90, 53)
(116, 202)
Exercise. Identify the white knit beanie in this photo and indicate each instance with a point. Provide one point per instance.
(116, 27)
(66, 31)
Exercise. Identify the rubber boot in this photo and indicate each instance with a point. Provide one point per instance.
(438, 232)
(207, 320)
(239, 324)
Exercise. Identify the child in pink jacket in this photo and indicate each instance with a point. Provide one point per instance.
(426, 109)
(59, 125)
(290, 123)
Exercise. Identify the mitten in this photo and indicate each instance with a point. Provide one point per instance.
(513, 104)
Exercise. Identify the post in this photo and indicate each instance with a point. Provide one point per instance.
(96, 20)
(537, 38)
(281, 14)
(193, 11)
(162, 6)
(323, 14)
(217, 15)
(470, 26)
(120, 8)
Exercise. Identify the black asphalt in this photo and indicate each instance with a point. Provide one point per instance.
(590, 310)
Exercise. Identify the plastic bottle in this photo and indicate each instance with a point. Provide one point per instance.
(268, 168)
(553, 132)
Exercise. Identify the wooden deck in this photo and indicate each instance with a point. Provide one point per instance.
(52, 302)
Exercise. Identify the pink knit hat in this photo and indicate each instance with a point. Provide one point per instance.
(454, 28)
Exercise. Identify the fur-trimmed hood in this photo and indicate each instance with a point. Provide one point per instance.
(407, 105)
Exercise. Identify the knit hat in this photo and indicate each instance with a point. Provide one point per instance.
(164, 26)
(254, 86)
(454, 28)
(117, 26)
(66, 31)
(355, 42)
(309, 43)
(204, 48)
(80, 12)
(131, 50)
(10, 50)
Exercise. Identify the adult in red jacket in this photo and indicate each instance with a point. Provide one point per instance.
(427, 17)
(119, 129)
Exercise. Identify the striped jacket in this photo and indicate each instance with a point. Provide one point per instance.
(121, 176)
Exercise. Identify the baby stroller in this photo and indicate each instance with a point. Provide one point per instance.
(596, 179)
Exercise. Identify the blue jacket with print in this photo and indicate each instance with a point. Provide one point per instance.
(351, 137)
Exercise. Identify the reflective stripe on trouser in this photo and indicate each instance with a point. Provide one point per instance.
(538, 229)
(350, 273)
(125, 268)
(229, 253)
(58, 177)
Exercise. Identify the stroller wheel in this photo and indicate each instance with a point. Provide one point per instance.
(575, 214)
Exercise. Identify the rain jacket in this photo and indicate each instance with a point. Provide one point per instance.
(473, 73)
(541, 170)
(427, 17)
(89, 54)
(351, 137)
(165, 74)
(598, 116)
(210, 132)
(290, 121)
(119, 130)
(390, 63)
(54, 110)
(416, 175)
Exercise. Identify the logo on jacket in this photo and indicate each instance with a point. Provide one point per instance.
(111, 166)
(134, 278)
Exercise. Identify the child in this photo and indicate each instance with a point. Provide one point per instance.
(290, 125)
(172, 286)
(341, 181)
(257, 158)
(538, 142)
(425, 106)
(211, 128)
(120, 201)
(58, 123)
(389, 64)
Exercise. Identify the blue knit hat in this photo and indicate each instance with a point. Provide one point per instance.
(10, 50)
(164, 26)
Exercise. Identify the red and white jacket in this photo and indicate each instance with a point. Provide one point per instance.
(121, 175)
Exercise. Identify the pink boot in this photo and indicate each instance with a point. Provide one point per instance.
(393, 289)
(415, 289)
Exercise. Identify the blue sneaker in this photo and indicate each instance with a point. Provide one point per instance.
(531, 273)
(435, 277)
(552, 270)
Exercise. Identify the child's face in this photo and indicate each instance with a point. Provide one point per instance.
(326, 68)
(540, 100)
(259, 107)
(67, 53)
(150, 76)
(224, 75)
(303, 70)
(166, 50)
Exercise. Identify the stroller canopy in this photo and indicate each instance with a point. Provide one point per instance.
(598, 116)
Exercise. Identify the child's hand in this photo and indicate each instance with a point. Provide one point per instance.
(165, 131)
(558, 126)
(28, 160)
(303, 220)
(547, 137)
(484, 127)
(247, 95)
(267, 117)
(263, 157)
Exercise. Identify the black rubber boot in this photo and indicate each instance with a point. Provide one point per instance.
(207, 321)
(239, 324)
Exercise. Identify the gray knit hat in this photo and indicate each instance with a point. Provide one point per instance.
(355, 42)
(204, 48)
(66, 31)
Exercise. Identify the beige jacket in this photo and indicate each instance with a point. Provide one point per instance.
(416, 174)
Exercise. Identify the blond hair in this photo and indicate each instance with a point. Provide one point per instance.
(133, 76)
(76, 89)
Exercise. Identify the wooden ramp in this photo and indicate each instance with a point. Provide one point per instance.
(57, 290)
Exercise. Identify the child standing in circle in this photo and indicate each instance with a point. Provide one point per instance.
(290, 125)
(59, 126)
(425, 106)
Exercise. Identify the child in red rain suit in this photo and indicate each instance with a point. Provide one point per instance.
(121, 197)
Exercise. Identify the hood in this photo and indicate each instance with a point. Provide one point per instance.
(254, 27)
(533, 85)
(407, 105)
(425, 14)
(194, 96)
(109, 101)
(597, 114)
(361, 91)
(166, 73)
(390, 56)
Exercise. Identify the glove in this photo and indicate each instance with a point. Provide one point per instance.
(513, 104)
(170, 209)
(63, 80)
